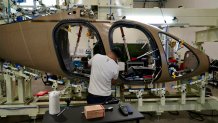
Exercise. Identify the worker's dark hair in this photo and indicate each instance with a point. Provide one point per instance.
(117, 51)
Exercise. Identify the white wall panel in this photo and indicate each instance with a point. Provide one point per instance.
(192, 3)
(188, 34)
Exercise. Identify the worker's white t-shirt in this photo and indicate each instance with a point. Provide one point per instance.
(103, 70)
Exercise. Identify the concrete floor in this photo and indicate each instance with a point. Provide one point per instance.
(182, 117)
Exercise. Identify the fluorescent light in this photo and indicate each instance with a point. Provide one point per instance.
(80, 2)
(117, 2)
(151, 19)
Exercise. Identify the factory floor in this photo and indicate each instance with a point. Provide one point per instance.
(183, 117)
(167, 117)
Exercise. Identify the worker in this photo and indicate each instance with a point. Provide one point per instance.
(104, 70)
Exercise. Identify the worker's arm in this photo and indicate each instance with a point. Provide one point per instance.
(90, 61)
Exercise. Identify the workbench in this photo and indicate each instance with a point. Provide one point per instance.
(74, 114)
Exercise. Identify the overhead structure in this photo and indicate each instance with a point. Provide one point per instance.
(209, 35)
(160, 2)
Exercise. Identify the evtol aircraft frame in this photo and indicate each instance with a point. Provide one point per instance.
(43, 44)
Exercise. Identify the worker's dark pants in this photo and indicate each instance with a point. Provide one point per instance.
(94, 99)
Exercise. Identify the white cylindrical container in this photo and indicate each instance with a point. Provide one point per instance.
(54, 102)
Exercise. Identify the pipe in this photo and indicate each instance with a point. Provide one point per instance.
(9, 10)
(125, 44)
(78, 40)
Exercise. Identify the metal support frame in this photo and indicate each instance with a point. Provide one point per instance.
(203, 90)
(9, 10)
(153, 105)
(159, 105)
(1, 95)
(183, 94)
(23, 86)
(28, 87)
(139, 96)
(160, 92)
(21, 90)
(55, 83)
(38, 105)
(1, 82)
(34, 4)
(117, 92)
(9, 88)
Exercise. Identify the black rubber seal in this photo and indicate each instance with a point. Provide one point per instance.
(131, 24)
(60, 49)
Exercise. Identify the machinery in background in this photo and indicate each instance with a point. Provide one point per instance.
(188, 94)
(15, 12)
(2, 11)
(47, 76)
(17, 79)
(207, 36)
(16, 90)
(17, 98)
(214, 73)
